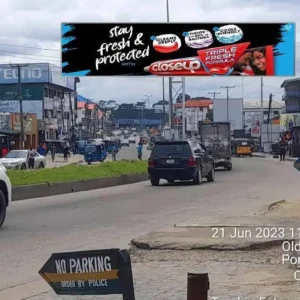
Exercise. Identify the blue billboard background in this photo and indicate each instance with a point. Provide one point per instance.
(35, 73)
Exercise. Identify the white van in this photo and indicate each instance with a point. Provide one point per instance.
(5, 193)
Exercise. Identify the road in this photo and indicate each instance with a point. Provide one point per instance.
(111, 217)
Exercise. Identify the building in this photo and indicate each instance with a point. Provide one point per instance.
(252, 112)
(291, 95)
(195, 111)
(45, 93)
(159, 106)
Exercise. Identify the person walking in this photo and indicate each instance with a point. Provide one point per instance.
(282, 149)
(32, 154)
(53, 152)
(114, 152)
(140, 150)
(66, 152)
(4, 151)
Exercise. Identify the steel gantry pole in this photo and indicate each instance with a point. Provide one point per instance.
(178, 87)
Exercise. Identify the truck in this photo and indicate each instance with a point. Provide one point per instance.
(216, 137)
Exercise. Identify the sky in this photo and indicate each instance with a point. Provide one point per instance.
(34, 26)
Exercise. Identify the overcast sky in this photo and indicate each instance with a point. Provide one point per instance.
(36, 24)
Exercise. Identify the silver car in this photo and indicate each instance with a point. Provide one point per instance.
(18, 159)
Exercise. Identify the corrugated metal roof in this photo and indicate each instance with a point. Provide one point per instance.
(257, 104)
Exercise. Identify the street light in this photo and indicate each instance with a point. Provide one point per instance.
(148, 99)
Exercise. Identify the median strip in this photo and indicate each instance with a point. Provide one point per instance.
(75, 178)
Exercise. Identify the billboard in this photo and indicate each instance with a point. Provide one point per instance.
(173, 49)
(30, 91)
(229, 111)
(13, 106)
(35, 73)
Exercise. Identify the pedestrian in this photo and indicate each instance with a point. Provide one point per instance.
(282, 149)
(32, 154)
(66, 152)
(140, 150)
(53, 152)
(114, 152)
(4, 151)
(41, 150)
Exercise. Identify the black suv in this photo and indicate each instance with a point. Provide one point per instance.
(180, 160)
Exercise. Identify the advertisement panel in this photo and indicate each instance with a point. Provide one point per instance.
(186, 49)
(30, 91)
(33, 107)
(229, 111)
(30, 73)
(289, 120)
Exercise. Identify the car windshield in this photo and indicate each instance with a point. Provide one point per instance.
(80, 144)
(90, 148)
(162, 150)
(16, 154)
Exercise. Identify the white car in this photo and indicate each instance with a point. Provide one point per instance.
(18, 159)
(5, 193)
(125, 142)
(131, 140)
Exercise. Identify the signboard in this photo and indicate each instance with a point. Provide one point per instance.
(173, 49)
(33, 107)
(35, 73)
(29, 91)
(98, 272)
(30, 73)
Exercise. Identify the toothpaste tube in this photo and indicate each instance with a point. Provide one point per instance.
(191, 66)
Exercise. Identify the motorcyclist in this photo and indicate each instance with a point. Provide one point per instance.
(140, 150)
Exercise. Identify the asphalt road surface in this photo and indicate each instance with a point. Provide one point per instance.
(111, 217)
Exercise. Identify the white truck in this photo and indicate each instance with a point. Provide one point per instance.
(5, 193)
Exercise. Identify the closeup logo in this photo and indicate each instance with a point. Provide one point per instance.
(177, 67)
(166, 43)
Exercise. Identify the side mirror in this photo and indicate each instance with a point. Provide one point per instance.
(210, 152)
(197, 151)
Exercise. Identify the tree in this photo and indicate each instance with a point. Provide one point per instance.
(179, 98)
(209, 115)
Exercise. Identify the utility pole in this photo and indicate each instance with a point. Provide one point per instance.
(214, 93)
(261, 110)
(183, 108)
(148, 99)
(227, 99)
(164, 104)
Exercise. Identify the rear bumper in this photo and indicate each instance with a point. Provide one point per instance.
(172, 174)
(222, 162)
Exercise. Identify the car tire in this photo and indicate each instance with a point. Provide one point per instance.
(2, 208)
(23, 166)
(154, 181)
(198, 177)
(211, 175)
(41, 165)
(229, 167)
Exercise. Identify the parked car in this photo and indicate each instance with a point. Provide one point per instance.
(180, 160)
(125, 142)
(18, 159)
(131, 140)
(5, 193)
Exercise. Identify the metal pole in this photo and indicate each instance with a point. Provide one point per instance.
(164, 104)
(20, 94)
(183, 108)
(261, 110)
(170, 103)
(197, 286)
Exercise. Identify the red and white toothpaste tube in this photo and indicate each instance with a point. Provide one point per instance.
(191, 66)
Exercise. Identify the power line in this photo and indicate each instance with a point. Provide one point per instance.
(29, 47)
(2, 51)
(17, 56)
(214, 93)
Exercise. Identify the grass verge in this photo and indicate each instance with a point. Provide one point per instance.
(77, 172)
